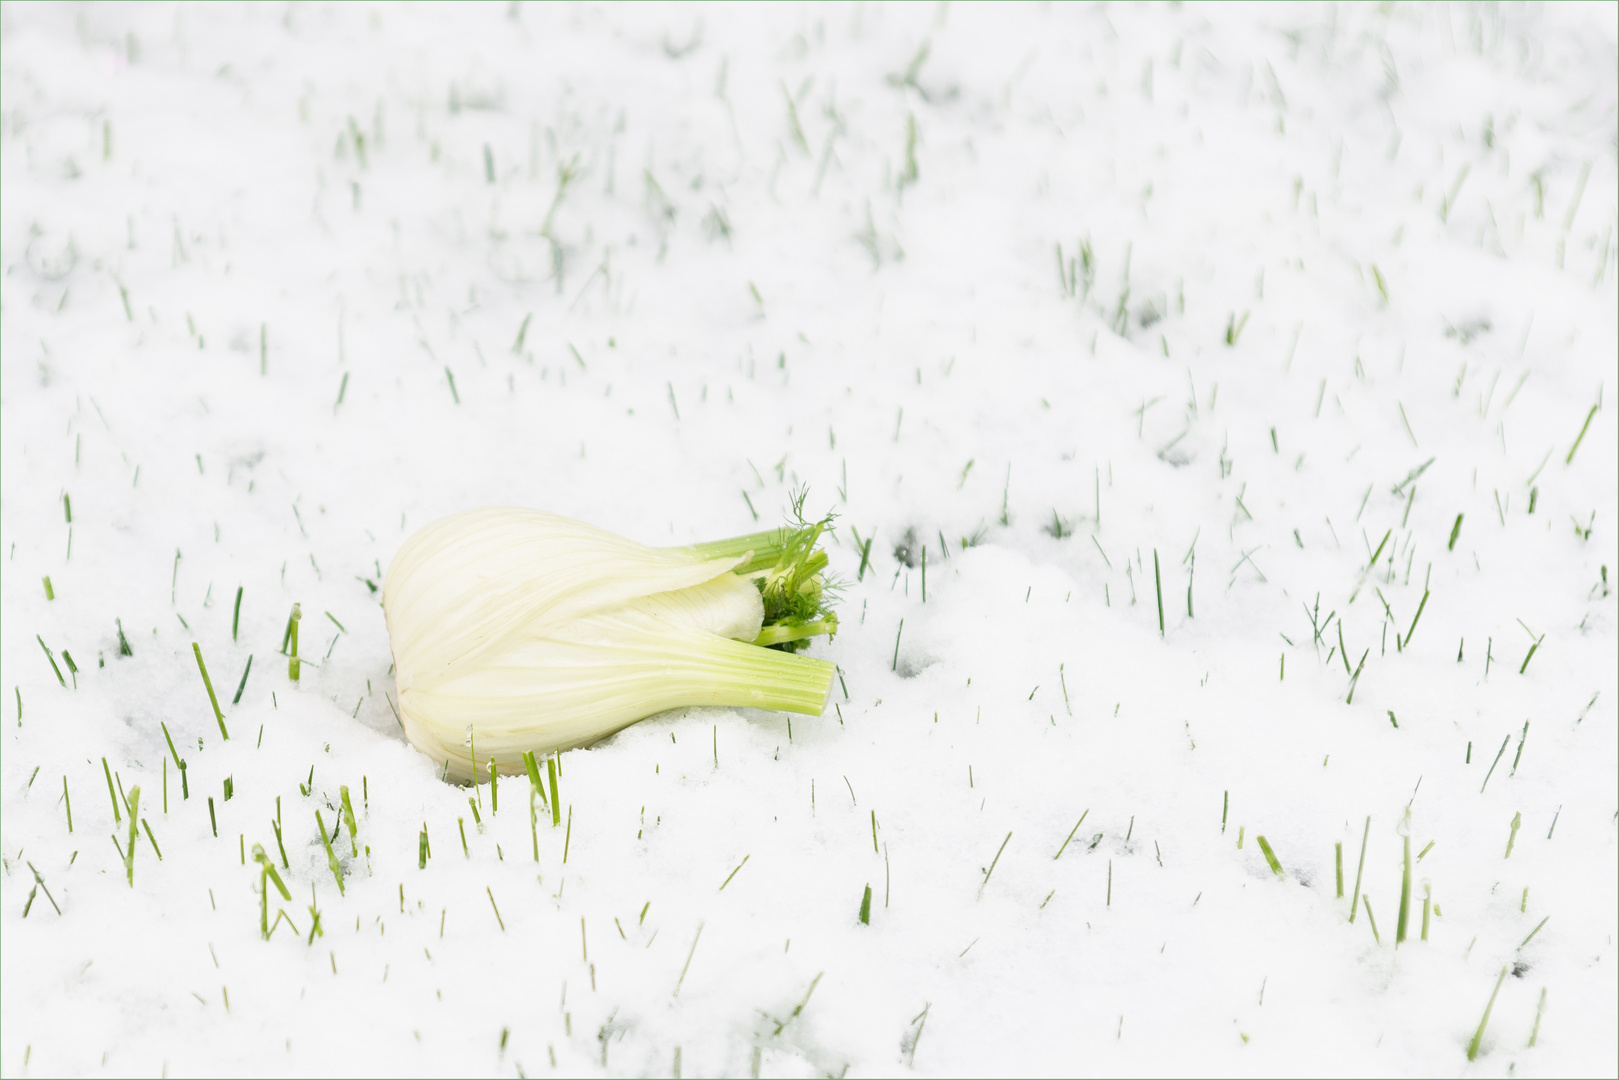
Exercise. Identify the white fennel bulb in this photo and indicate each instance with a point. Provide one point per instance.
(517, 630)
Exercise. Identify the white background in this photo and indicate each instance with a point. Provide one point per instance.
(266, 271)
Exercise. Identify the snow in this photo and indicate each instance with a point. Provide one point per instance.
(284, 283)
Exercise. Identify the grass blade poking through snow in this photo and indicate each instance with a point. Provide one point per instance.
(532, 768)
(534, 791)
(290, 643)
(219, 717)
(52, 658)
(1367, 900)
(1483, 1021)
(1159, 586)
(1414, 619)
(263, 860)
(1354, 901)
(237, 700)
(993, 861)
(331, 857)
(1071, 833)
(1270, 857)
(1405, 882)
(348, 820)
(1540, 1010)
(1496, 762)
(185, 788)
(129, 854)
(1579, 439)
(106, 770)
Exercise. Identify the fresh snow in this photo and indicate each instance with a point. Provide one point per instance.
(1094, 304)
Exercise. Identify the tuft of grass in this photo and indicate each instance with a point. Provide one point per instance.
(1233, 328)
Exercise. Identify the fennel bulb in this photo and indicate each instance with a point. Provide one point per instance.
(516, 630)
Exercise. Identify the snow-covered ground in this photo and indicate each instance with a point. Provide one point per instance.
(1245, 374)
